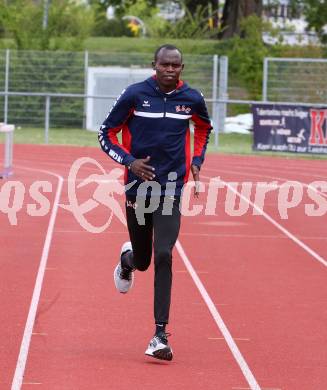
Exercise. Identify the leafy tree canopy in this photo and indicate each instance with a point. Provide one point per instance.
(23, 20)
(315, 12)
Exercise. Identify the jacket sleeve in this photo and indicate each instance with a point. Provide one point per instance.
(118, 115)
(202, 130)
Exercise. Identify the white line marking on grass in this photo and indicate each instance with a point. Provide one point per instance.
(219, 321)
(24, 348)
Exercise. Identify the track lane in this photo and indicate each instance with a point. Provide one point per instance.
(95, 338)
(20, 255)
(271, 381)
(274, 289)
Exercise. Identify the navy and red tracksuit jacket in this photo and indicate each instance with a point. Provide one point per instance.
(156, 124)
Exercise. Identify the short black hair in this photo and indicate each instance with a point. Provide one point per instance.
(166, 47)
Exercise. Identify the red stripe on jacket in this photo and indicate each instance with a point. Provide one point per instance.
(201, 133)
(187, 155)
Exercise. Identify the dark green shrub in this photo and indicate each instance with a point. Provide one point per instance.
(246, 56)
(110, 28)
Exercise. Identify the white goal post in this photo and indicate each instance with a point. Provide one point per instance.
(108, 81)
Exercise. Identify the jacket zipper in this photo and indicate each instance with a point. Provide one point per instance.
(165, 100)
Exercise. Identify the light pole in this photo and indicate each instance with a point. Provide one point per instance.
(45, 14)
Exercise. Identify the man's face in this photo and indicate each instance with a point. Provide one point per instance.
(168, 67)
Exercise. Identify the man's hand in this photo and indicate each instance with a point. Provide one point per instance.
(196, 177)
(141, 168)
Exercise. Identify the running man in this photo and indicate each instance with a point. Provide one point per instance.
(153, 117)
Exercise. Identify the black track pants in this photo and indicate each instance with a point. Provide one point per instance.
(162, 231)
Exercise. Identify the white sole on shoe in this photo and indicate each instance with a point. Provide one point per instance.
(159, 351)
(162, 354)
(127, 246)
(122, 285)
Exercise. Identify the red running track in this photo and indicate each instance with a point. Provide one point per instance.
(263, 275)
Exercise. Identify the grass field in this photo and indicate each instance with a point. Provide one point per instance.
(189, 46)
(228, 143)
(148, 45)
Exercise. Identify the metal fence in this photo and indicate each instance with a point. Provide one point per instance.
(37, 84)
(50, 89)
(295, 80)
(41, 72)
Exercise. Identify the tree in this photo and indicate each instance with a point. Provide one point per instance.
(102, 5)
(22, 20)
(315, 12)
(212, 7)
(194, 25)
(234, 12)
(121, 6)
(246, 55)
(192, 4)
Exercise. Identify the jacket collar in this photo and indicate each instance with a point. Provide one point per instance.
(181, 85)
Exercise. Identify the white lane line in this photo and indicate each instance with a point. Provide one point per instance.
(249, 236)
(63, 231)
(281, 228)
(24, 348)
(32, 383)
(311, 252)
(282, 179)
(219, 321)
(216, 304)
(235, 338)
(247, 388)
(308, 171)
